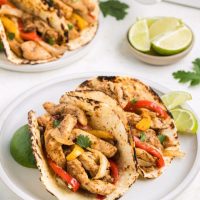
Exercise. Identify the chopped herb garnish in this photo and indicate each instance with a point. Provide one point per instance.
(51, 41)
(83, 141)
(56, 123)
(114, 8)
(191, 77)
(70, 26)
(133, 101)
(1, 46)
(161, 138)
(142, 137)
(11, 36)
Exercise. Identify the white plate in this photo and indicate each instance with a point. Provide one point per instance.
(25, 182)
(64, 61)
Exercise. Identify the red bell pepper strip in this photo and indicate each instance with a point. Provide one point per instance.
(72, 182)
(28, 35)
(114, 171)
(160, 161)
(2, 2)
(100, 197)
(133, 106)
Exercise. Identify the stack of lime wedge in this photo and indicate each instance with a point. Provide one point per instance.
(165, 36)
(185, 119)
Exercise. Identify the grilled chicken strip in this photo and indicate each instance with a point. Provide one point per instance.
(54, 149)
(104, 147)
(144, 158)
(63, 109)
(76, 170)
(89, 163)
(63, 133)
(33, 51)
(77, 5)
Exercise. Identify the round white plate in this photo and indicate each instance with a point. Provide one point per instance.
(25, 182)
(64, 61)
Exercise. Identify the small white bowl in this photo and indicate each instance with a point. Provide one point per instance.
(160, 60)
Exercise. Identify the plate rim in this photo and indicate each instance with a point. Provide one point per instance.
(10, 106)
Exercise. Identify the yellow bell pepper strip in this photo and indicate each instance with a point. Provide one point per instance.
(10, 26)
(77, 151)
(73, 184)
(101, 134)
(81, 23)
(145, 122)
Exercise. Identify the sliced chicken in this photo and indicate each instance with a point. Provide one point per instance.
(104, 147)
(151, 138)
(33, 51)
(89, 163)
(76, 170)
(44, 120)
(63, 133)
(54, 149)
(145, 157)
(77, 5)
(89, 4)
(16, 47)
(64, 109)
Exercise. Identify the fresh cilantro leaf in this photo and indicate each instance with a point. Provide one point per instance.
(161, 138)
(11, 36)
(114, 8)
(70, 26)
(83, 141)
(51, 41)
(56, 123)
(142, 137)
(1, 46)
(193, 77)
(133, 101)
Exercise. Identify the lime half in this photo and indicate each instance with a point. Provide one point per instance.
(173, 42)
(175, 98)
(185, 121)
(164, 25)
(138, 36)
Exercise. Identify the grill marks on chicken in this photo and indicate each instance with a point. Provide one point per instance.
(76, 169)
(104, 147)
(86, 166)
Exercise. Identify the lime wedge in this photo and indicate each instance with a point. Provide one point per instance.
(20, 148)
(173, 42)
(138, 36)
(175, 98)
(164, 25)
(185, 121)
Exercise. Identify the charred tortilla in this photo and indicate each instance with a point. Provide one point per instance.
(100, 117)
(123, 90)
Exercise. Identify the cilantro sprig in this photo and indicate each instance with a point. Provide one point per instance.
(83, 141)
(142, 137)
(56, 123)
(114, 8)
(161, 138)
(191, 77)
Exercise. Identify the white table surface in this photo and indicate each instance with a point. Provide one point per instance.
(110, 53)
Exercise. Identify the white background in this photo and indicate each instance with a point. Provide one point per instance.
(110, 53)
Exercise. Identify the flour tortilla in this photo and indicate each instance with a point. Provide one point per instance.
(101, 117)
(50, 15)
(124, 89)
